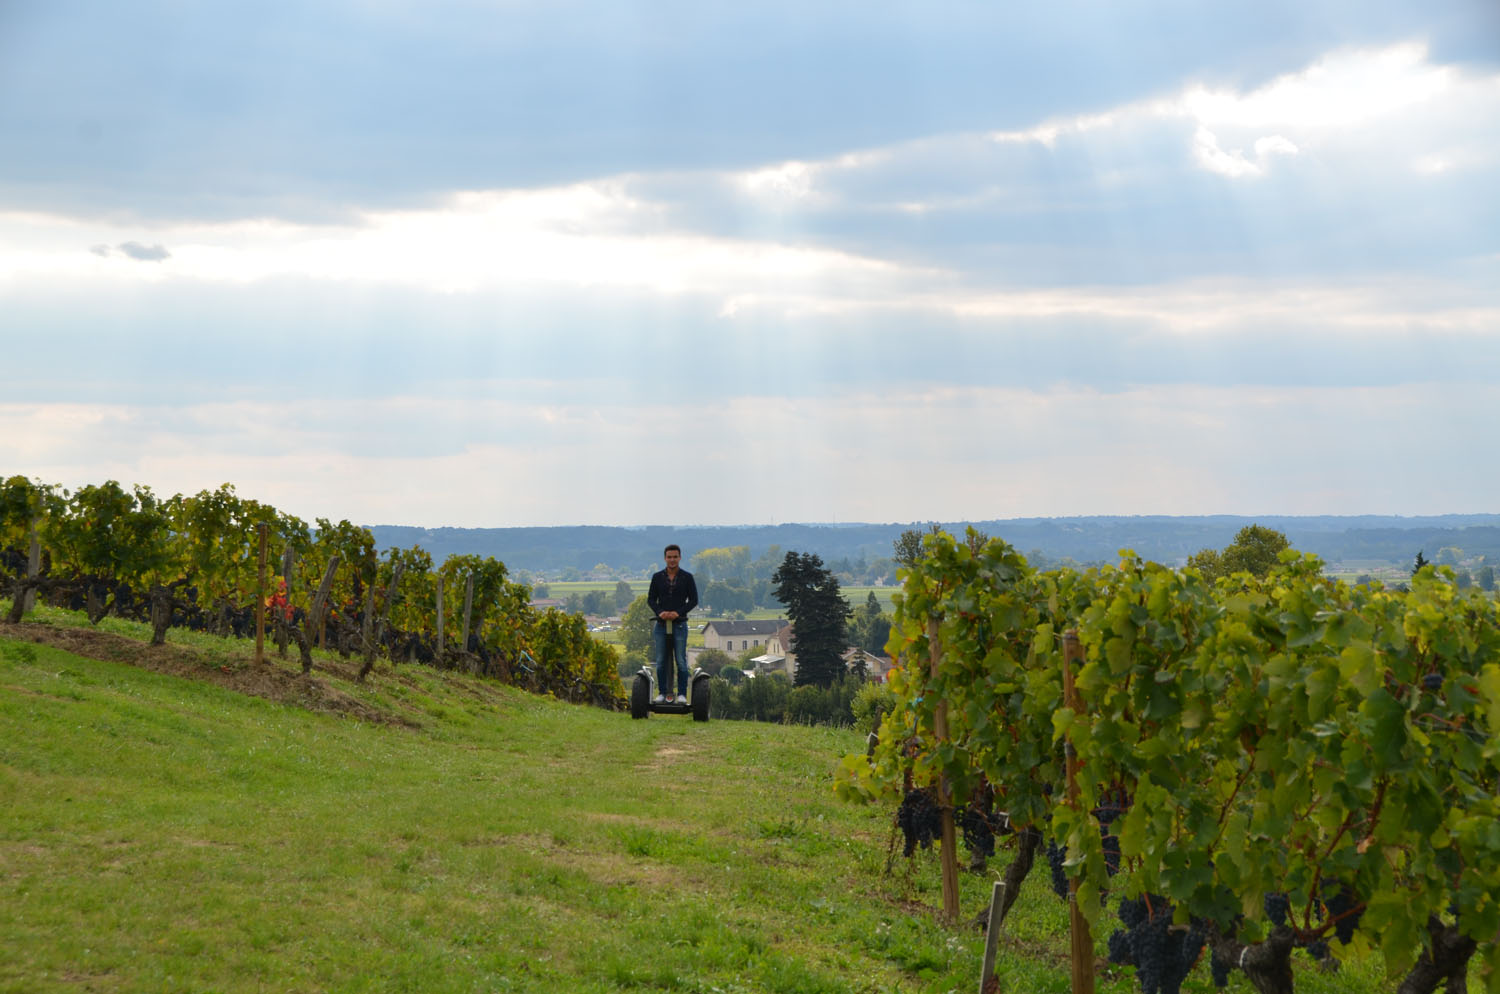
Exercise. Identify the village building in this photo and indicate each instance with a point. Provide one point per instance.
(734, 637)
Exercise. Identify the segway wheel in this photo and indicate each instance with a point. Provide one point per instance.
(640, 697)
(701, 696)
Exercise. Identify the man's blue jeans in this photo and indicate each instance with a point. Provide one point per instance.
(679, 639)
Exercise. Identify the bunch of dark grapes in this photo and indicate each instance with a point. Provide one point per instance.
(12, 561)
(1162, 956)
(1109, 843)
(1106, 814)
(980, 821)
(1056, 856)
(1278, 906)
(920, 820)
(980, 829)
(1322, 953)
(1219, 967)
(1341, 906)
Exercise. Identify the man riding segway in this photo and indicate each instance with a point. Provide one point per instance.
(672, 595)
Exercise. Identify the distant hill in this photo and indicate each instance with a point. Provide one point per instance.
(1366, 538)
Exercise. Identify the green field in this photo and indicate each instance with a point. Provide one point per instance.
(562, 590)
(169, 831)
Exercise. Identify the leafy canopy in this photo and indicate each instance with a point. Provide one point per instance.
(1255, 550)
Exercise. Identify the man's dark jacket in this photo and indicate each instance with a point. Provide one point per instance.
(680, 595)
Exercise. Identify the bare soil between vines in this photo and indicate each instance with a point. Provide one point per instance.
(234, 669)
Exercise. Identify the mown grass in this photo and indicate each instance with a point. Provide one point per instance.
(166, 834)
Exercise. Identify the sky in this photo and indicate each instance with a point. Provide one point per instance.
(489, 264)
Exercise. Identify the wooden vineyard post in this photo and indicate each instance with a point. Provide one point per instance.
(949, 854)
(440, 619)
(992, 939)
(33, 567)
(468, 610)
(260, 598)
(366, 632)
(1083, 941)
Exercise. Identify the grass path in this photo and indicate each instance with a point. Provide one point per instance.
(160, 831)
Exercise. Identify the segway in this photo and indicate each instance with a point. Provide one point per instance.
(643, 700)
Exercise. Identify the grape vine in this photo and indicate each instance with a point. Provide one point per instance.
(194, 561)
(1284, 761)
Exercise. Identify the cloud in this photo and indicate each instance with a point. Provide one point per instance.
(1345, 89)
(985, 451)
(288, 112)
(590, 235)
(1137, 192)
(133, 250)
(1233, 163)
(144, 253)
(608, 344)
(1199, 276)
(1132, 193)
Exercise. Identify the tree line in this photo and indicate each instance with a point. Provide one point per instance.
(860, 553)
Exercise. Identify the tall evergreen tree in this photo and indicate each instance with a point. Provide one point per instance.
(810, 593)
(871, 626)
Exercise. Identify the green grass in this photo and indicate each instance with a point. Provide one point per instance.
(562, 589)
(856, 596)
(166, 834)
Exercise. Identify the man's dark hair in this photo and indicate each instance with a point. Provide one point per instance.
(669, 548)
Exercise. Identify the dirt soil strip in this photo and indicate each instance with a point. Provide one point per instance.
(270, 681)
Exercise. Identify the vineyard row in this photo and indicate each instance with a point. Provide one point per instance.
(1253, 765)
(196, 562)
